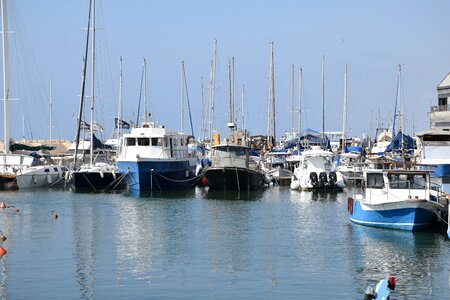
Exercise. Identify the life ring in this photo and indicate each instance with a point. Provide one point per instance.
(350, 205)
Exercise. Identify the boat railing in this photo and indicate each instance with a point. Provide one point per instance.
(439, 108)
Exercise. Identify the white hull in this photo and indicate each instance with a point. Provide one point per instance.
(40, 176)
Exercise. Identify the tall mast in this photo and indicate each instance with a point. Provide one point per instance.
(83, 86)
(6, 122)
(231, 123)
(145, 91)
(212, 87)
(242, 108)
(397, 96)
(344, 115)
(292, 101)
(300, 92)
(182, 96)
(51, 109)
(92, 85)
(119, 110)
(323, 100)
(271, 128)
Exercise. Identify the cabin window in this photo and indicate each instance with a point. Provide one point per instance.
(46, 170)
(131, 141)
(55, 169)
(143, 141)
(182, 142)
(407, 181)
(375, 181)
(174, 141)
(157, 141)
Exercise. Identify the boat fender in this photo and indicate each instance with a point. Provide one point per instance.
(114, 173)
(267, 179)
(198, 169)
(49, 179)
(350, 205)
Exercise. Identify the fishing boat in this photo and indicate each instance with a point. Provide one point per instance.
(395, 198)
(154, 158)
(231, 167)
(315, 171)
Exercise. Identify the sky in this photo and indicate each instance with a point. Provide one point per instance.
(371, 37)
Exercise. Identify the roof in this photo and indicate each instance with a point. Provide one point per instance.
(445, 83)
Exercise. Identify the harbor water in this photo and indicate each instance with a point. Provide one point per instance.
(271, 244)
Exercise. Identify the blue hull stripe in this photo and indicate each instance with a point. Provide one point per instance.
(407, 218)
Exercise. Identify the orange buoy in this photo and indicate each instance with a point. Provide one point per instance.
(2, 251)
(204, 181)
(3, 205)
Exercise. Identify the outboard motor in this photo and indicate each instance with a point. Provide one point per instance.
(332, 179)
(323, 179)
(313, 178)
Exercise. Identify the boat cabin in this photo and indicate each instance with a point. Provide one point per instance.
(227, 155)
(396, 185)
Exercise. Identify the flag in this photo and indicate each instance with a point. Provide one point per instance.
(97, 127)
(84, 126)
(121, 124)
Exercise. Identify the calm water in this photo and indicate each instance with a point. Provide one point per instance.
(276, 244)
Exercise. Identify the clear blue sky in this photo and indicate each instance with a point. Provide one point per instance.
(372, 37)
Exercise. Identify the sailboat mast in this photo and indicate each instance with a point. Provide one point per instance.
(300, 92)
(51, 109)
(397, 96)
(271, 128)
(6, 122)
(323, 100)
(292, 101)
(91, 151)
(83, 85)
(231, 123)
(145, 91)
(119, 110)
(182, 96)
(211, 94)
(344, 115)
(242, 108)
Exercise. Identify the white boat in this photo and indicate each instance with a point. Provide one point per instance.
(316, 171)
(350, 165)
(40, 176)
(276, 166)
(18, 170)
(398, 199)
(433, 145)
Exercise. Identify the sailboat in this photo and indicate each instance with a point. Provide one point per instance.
(231, 167)
(92, 176)
(20, 170)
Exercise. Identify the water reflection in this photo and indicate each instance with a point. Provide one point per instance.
(409, 256)
(230, 195)
(85, 230)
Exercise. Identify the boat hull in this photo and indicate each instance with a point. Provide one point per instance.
(158, 175)
(40, 177)
(401, 215)
(93, 181)
(8, 182)
(229, 178)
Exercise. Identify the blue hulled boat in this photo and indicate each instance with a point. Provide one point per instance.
(154, 158)
(397, 199)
